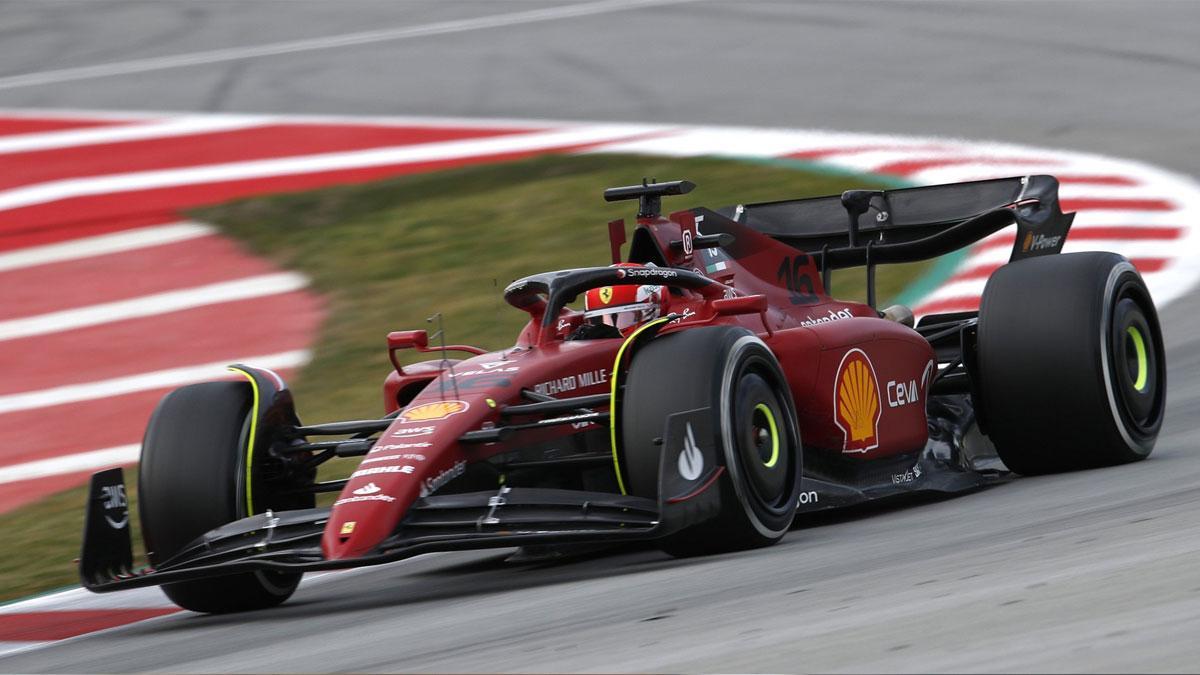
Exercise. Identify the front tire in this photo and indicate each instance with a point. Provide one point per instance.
(192, 479)
(1071, 364)
(733, 373)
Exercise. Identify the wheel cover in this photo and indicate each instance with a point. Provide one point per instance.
(769, 515)
(1131, 363)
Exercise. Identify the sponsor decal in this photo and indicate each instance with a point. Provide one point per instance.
(568, 418)
(433, 483)
(484, 381)
(428, 412)
(368, 489)
(115, 500)
(563, 325)
(1039, 242)
(908, 476)
(833, 316)
(646, 273)
(348, 527)
(409, 432)
(384, 458)
(605, 294)
(902, 393)
(856, 406)
(401, 446)
(691, 460)
(686, 314)
(365, 498)
(687, 242)
(407, 468)
(881, 217)
(485, 371)
(572, 382)
(809, 497)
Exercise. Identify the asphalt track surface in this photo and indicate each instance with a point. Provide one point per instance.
(1094, 571)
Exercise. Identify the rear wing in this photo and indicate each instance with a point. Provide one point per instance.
(868, 227)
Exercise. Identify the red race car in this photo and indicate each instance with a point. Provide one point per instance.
(698, 393)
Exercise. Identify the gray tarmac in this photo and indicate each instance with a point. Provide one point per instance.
(1095, 571)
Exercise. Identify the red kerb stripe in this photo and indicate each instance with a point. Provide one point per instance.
(909, 166)
(36, 626)
(1100, 203)
(822, 153)
(1113, 180)
(20, 125)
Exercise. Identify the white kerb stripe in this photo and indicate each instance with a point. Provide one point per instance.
(159, 379)
(83, 461)
(183, 126)
(117, 242)
(150, 305)
(41, 193)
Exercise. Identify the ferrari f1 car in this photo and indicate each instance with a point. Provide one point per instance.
(743, 394)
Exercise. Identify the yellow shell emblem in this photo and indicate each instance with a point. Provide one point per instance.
(856, 402)
(606, 294)
(434, 411)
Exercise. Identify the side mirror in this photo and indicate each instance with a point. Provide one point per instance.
(746, 304)
(408, 339)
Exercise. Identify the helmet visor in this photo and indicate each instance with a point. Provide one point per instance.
(622, 317)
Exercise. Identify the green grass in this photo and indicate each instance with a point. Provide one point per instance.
(386, 255)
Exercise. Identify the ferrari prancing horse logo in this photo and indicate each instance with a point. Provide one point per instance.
(606, 294)
(856, 407)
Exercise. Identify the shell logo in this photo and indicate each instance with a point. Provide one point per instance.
(434, 411)
(1027, 243)
(856, 402)
(606, 294)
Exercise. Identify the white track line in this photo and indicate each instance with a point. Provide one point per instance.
(150, 305)
(42, 193)
(327, 42)
(159, 379)
(104, 244)
(82, 461)
(182, 126)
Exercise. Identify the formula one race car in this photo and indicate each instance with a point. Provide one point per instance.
(708, 389)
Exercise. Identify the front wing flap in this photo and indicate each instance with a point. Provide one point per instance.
(507, 517)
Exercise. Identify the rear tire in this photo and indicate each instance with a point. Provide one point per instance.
(191, 480)
(732, 372)
(1071, 363)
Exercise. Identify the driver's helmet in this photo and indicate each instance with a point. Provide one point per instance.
(623, 307)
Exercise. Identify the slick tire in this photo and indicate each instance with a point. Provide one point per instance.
(1072, 372)
(732, 372)
(191, 480)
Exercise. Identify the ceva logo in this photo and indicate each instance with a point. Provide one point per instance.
(856, 406)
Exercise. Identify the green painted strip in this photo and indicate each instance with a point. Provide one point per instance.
(1139, 345)
(942, 269)
(766, 411)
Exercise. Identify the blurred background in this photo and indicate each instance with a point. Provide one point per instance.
(190, 183)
